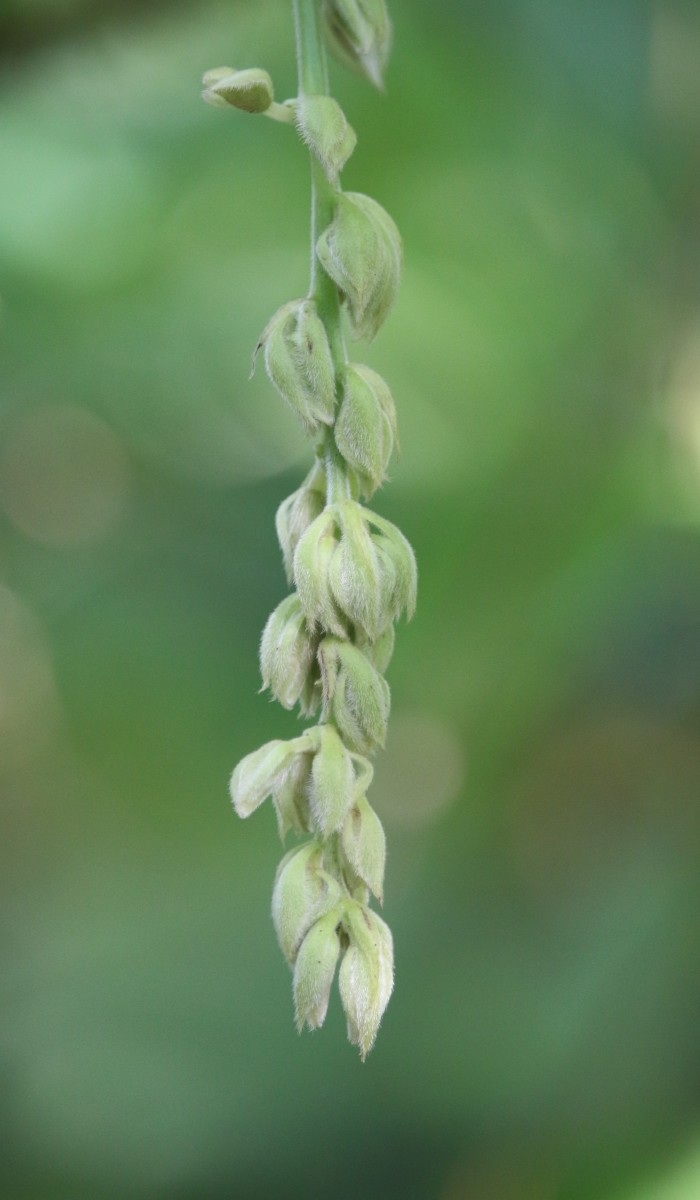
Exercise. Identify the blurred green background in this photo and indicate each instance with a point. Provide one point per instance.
(540, 788)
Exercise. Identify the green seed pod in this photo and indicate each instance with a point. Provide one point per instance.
(312, 561)
(332, 787)
(359, 33)
(249, 90)
(355, 695)
(325, 129)
(361, 251)
(364, 428)
(364, 845)
(314, 971)
(366, 976)
(299, 363)
(302, 893)
(297, 512)
(354, 570)
(287, 652)
(291, 797)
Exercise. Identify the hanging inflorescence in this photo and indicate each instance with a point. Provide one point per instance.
(326, 646)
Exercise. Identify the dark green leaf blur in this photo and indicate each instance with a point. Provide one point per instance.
(541, 783)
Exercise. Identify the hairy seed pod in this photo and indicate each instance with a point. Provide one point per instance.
(355, 694)
(332, 785)
(302, 893)
(297, 512)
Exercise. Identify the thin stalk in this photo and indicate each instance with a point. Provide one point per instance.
(313, 81)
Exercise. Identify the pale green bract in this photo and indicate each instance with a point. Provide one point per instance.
(326, 646)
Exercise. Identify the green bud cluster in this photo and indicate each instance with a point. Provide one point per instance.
(326, 646)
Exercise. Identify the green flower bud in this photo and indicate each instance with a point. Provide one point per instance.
(355, 695)
(324, 127)
(397, 565)
(364, 428)
(299, 363)
(364, 845)
(314, 971)
(354, 570)
(361, 251)
(291, 797)
(312, 560)
(381, 651)
(250, 90)
(366, 976)
(332, 787)
(297, 512)
(302, 893)
(259, 774)
(359, 33)
(287, 652)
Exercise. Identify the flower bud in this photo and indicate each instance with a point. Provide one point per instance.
(303, 891)
(250, 90)
(359, 33)
(361, 251)
(397, 563)
(287, 652)
(314, 971)
(325, 129)
(355, 694)
(258, 774)
(332, 787)
(364, 845)
(354, 570)
(364, 428)
(312, 560)
(299, 363)
(297, 512)
(366, 976)
(381, 651)
(291, 797)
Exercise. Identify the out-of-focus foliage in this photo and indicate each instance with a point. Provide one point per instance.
(540, 787)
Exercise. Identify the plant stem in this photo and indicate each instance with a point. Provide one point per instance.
(313, 80)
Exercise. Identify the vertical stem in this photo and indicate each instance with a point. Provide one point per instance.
(313, 80)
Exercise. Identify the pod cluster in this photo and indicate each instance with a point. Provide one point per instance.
(326, 646)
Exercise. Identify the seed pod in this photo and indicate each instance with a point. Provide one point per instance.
(365, 424)
(359, 33)
(381, 651)
(314, 971)
(325, 129)
(361, 251)
(287, 652)
(366, 976)
(364, 845)
(296, 513)
(299, 363)
(302, 893)
(332, 786)
(249, 90)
